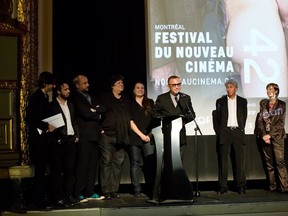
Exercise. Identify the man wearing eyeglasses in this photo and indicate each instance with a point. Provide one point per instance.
(175, 103)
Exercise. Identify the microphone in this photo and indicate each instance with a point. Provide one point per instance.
(189, 115)
(186, 108)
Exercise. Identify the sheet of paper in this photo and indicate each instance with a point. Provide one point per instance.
(39, 131)
(55, 120)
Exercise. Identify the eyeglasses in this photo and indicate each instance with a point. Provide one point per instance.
(174, 85)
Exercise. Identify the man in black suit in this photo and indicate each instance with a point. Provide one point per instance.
(39, 138)
(89, 114)
(64, 148)
(174, 103)
(231, 115)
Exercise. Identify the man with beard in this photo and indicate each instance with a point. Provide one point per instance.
(89, 114)
(64, 148)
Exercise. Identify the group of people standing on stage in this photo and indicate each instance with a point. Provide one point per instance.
(229, 120)
(229, 125)
(98, 132)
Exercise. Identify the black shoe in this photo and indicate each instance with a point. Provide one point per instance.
(241, 190)
(115, 195)
(222, 191)
(61, 204)
(137, 194)
(72, 201)
(107, 196)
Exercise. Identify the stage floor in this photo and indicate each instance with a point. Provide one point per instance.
(254, 202)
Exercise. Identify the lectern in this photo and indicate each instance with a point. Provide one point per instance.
(172, 183)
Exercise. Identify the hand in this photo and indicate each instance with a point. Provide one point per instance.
(267, 138)
(189, 117)
(51, 128)
(145, 138)
(74, 139)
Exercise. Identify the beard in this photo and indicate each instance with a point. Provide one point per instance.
(64, 97)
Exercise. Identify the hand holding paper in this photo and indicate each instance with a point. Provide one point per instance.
(55, 120)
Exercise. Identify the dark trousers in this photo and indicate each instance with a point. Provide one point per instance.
(138, 158)
(40, 152)
(275, 163)
(63, 168)
(86, 166)
(233, 143)
(112, 156)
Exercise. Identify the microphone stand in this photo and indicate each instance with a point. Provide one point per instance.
(197, 192)
(197, 128)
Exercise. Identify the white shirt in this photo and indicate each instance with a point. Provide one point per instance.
(232, 112)
(65, 109)
(174, 100)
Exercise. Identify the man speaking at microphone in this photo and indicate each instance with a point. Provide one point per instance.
(175, 103)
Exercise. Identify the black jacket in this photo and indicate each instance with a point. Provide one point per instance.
(88, 121)
(222, 116)
(62, 131)
(164, 107)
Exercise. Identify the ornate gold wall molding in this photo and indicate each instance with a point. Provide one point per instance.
(24, 26)
(8, 84)
(28, 17)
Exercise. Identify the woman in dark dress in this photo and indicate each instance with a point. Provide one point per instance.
(141, 146)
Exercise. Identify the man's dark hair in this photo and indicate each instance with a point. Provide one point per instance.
(45, 77)
(59, 84)
(173, 77)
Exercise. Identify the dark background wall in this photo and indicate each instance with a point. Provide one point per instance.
(99, 38)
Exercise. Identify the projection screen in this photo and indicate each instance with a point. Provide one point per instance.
(206, 42)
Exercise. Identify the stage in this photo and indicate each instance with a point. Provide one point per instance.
(254, 202)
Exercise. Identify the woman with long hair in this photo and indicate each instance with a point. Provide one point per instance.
(141, 146)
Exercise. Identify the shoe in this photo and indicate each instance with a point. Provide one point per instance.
(71, 201)
(222, 191)
(115, 195)
(241, 190)
(275, 190)
(107, 196)
(95, 197)
(61, 204)
(82, 199)
(137, 194)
